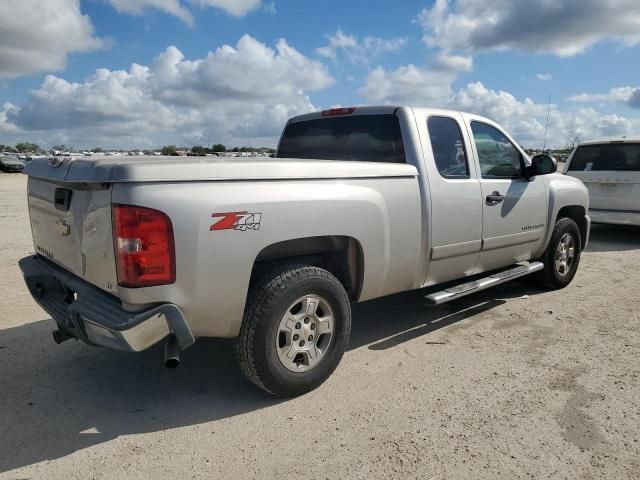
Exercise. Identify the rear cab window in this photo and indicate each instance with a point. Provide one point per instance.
(622, 157)
(366, 138)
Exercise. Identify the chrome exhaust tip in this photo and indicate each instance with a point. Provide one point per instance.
(171, 353)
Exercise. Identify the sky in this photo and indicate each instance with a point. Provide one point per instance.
(147, 73)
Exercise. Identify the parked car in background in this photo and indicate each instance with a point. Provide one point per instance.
(610, 169)
(11, 165)
(36, 157)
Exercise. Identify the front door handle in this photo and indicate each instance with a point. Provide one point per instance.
(495, 198)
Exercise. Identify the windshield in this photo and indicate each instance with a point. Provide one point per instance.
(367, 138)
(610, 157)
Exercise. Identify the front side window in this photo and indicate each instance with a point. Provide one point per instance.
(448, 147)
(498, 157)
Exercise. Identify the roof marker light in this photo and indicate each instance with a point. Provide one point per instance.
(334, 112)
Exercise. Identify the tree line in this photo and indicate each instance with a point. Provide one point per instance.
(21, 148)
(26, 147)
(215, 148)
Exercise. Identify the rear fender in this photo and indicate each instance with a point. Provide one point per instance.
(214, 266)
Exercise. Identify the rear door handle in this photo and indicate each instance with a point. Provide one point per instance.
(495, 198)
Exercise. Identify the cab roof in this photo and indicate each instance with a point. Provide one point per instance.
(374, 110)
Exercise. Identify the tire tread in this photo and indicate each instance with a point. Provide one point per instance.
(547, 276)
(263, 295)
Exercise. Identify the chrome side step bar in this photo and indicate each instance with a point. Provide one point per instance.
(453, 293)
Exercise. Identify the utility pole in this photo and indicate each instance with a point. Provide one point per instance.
(544, 145)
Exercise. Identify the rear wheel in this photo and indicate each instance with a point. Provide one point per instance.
(562, 256)
(296, 328)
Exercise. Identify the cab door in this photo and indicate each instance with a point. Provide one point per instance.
(514, 208)
(455, 205)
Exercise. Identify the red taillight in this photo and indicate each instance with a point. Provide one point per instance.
(334, 112)
(143, 241)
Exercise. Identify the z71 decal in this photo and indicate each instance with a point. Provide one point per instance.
(242, 221)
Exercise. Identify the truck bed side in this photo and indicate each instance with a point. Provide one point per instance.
(214, 265)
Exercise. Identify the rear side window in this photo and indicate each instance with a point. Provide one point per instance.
(448, 147)
(612, 157)
(367, 138)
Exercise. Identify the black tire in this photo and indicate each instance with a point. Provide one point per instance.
(550, 276)
(269, 300)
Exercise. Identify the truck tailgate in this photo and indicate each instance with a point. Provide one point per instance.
(71, 226)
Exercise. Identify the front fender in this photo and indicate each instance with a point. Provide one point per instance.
(563, 191)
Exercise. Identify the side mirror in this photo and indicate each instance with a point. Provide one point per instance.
(542, 164)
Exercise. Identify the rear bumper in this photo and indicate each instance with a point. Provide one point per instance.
(615, 217)
(96, 317)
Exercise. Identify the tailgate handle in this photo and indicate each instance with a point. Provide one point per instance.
(62, 199)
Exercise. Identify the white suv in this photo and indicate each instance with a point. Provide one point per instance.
(610, 169)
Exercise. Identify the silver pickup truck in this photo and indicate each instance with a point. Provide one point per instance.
(358, 203)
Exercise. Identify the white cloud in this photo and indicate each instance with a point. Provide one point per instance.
(429, 85)
(559, 27)
(454, 63)
(138, 7)
(408, 84)
(359, 50)
(237, 8)
(338, 41)
(234, 92)
(629, 96)
(250, 72)
(7, 129)
(270, 8)
(37, 36)
(544, 76)
(525, 119)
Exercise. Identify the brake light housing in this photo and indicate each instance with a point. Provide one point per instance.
(336, 112)
(144, 246)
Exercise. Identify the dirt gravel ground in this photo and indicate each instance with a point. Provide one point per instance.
(516, 382)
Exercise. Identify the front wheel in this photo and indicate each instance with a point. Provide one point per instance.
(562, 256)
(295, 330)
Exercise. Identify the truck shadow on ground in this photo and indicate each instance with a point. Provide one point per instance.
(387, 322)
(56, 400)
(614, 238)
